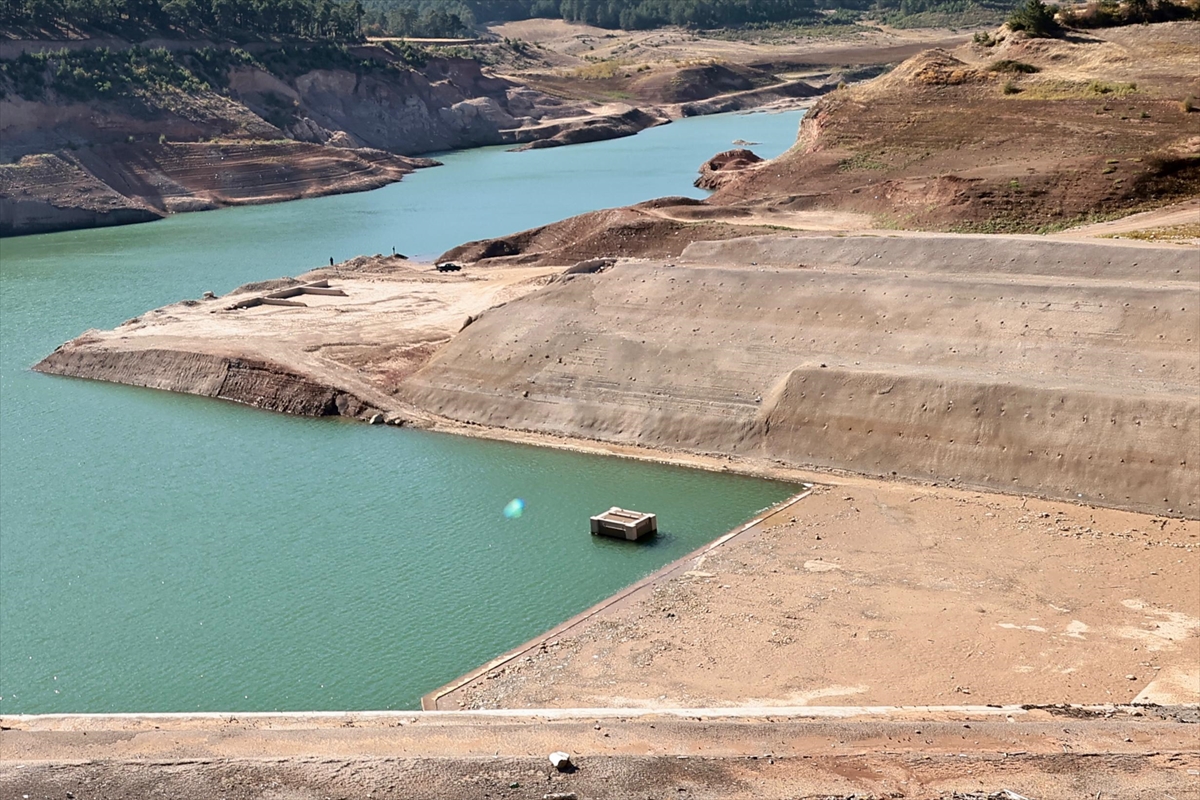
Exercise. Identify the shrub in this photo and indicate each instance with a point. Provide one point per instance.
(1008, 65)
(1035, 18)
(1188, 104)
(1116, 89)
(1011, 88)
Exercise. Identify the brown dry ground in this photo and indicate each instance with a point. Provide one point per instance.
(938, 143)
(869, 593)
(1054, 368)
(673, 65)
(1097, 132)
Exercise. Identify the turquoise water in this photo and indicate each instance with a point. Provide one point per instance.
(167, 553)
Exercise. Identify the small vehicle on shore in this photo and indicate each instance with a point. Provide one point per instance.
(449, 266)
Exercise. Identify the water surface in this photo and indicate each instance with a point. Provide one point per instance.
(168, 553)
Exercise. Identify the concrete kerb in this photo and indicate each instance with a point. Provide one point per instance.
(429, 701)
(317, 719)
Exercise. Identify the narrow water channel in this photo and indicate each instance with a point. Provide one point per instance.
(168, 553)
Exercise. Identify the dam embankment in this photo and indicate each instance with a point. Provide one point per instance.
(1059, 369)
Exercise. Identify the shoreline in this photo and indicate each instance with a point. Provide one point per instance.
(429, 701)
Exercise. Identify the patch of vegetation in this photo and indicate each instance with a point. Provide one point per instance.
(1114, 89)
(1035, 18)
(824, 25)
(727, 18)
(239, 20)
(84, 75)
(1010, 87)
(1008, 65)
(382, 19)
(861, 162)
(1111, 13)
(1076, 90)
(601, 70)
(1182, 231)
(940, 13)
(101, 72)
(1021, 224)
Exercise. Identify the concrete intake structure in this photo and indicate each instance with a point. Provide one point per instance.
(621, 523)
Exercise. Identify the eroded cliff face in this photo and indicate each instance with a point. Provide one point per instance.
(270, 137)
(1059, 369)
(252, 382)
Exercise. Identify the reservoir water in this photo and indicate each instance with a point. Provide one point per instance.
(161, 552)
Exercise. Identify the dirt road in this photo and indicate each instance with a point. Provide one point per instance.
(965, 753)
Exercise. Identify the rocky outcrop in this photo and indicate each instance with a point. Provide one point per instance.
(124, 183)
(138, 156)
(46, 193)
(251, 382)
(716, 171)
(592, 128)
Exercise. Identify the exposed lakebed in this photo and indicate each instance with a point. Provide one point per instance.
(161, 552)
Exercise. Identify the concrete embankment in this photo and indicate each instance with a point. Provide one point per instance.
(1013, 364)
(960, 752)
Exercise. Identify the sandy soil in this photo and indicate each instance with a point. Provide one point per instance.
(997, 599)
(1173, 216)
(392, 318)
(572, 44)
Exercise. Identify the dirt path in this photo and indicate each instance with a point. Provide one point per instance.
(1177, 215)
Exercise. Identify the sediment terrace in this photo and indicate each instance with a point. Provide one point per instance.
(1014, 364)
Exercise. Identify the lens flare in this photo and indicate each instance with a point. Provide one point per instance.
(515, 508)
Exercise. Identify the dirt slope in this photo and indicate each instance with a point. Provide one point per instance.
(958, 140)
(1021, 365)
